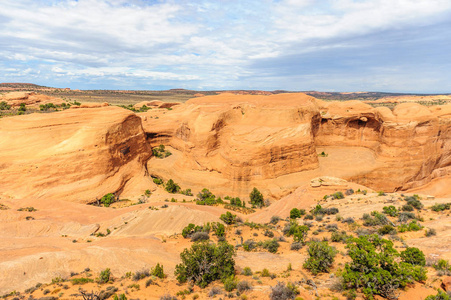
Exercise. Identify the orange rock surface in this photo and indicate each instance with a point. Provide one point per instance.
(246, 140)
(76, 155)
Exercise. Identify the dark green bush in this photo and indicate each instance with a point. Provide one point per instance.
(256, 198)
(390, 210)
(228, 218)
(157, 181)
(413, 256)
(230, 283)
(206, 262)
(374, 269)
(441, 295)
(441, 207)
(295, 213)
(271, 245)
(308, 217)
(338, 195)
(321, 257)
(189, 230)
(386, 229)
(275, 220)
(299, 232)
(105, 276)
(412, 226)
(339, 237)
(415, 203)
(172, 187)
(407, 207)
(4, 106)
(108, 199)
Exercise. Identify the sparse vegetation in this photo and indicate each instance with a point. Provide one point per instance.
(161, 152)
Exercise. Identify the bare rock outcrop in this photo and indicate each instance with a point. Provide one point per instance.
(75, 155)
(250, 139)
(29, 98)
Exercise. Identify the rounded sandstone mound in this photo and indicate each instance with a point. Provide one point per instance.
(76, 155)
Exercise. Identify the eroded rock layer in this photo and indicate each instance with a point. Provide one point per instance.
(76, 155)
(253, 138)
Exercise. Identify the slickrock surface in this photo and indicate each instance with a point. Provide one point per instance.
(76, 155)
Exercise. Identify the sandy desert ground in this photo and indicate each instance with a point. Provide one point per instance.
(294, 148)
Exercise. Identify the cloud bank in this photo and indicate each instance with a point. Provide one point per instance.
(333, 45)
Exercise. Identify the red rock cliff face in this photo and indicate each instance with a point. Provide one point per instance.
(244, 139)
(408, 141)
(251, 138)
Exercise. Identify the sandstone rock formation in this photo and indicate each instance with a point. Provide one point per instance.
(76, 155)
(246, 140)
(29, 98)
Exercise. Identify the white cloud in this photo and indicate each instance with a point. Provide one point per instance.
(206, 41)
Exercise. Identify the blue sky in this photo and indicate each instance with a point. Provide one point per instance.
(325, 45)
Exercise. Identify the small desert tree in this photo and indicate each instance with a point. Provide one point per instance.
(321, 257)
(206, 262)
(256, 198)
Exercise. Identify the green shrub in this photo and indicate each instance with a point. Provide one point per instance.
(4, 106)
(339, 236)
(390, 210)
(299, 232)
(205, 262)
(374, 269)
(161, 152)
(407, 207)
(228, 218)
(265, 273)
(105, 276)
(295, 213)
(308, 217)
(283, 292)
(412, 226)
(275, 220)
(415, 203)
(247, 271)
(386, 229)
(443, 267)
(219, 229)
(441, 207)
(158, 181)
(271, 245)
(172, 187)
(405, 216)
(338, 195)
(205, 197)
(321, 257)
(441, 295)
(318, 210)
(377, 219)
(22, 107)
(190, 229)
(158, 271)
(81, 280)
(413, 256)
(108, 199)
(256, 198)
(230, 283)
